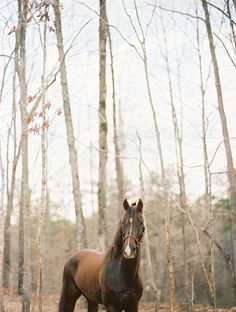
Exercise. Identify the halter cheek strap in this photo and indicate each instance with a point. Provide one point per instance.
(131, 235)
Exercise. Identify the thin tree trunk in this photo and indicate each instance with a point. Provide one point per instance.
(207, 174)
(163, 177)
(2, 191)
(146, 237)
(227, 260)
(24, 236)
(118, 162)
(181, 178)
(103, 32)
(142, 41)
(43, 168)
(10, 194)
(80, 222)
(229, 157)
(6, 254)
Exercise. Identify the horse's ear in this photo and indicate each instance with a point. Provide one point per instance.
(140, 205)
(125, 204)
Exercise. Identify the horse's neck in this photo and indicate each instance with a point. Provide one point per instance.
(129, 269)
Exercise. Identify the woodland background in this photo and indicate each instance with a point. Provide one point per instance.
(101, 101)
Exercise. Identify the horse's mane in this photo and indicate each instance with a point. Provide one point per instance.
(116, 244)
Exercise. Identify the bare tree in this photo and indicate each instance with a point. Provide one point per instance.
(118, 162)
(24, 236)
(2, 191)
(6, 254)
(80, 223)
(228, 151)
(43, 161)
(180, 173)
(146, 237)
(10, 190)
(142, 41)
(207, 173)
(103, 33)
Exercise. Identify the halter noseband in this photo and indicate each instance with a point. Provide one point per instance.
(132, 236)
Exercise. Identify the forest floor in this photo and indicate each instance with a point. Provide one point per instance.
(13, 304)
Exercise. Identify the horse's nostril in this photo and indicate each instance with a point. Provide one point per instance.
(133, 248)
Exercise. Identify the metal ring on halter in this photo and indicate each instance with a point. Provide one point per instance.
(132, 236)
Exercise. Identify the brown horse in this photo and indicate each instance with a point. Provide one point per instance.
(111, 278)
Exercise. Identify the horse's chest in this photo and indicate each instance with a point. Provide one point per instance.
(122, 295)
(122, 298)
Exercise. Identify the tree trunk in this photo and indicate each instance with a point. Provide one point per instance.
(150, 277)
(163, 177)
(207, 175)
(181, 179)
(10, 196)
(24, 237)
(229, 157)
(103, 32)
(118, 162)
(43, 168)
(2, 190)
(80, 222)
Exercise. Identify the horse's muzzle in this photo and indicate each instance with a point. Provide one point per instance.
(130, 251)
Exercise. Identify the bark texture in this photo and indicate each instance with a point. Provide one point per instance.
(103, 32)
(43, 170)
(24, 235)
(2, 190)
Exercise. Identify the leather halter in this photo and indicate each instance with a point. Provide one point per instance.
(132, 236)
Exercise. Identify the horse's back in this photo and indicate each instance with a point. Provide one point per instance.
(87, 264)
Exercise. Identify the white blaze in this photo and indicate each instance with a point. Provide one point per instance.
(127, 248)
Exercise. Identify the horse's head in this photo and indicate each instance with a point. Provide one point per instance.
(132, 228)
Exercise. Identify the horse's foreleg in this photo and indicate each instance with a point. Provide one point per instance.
(92, 306)
(134, 308)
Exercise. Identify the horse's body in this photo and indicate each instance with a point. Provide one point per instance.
(111, 278)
